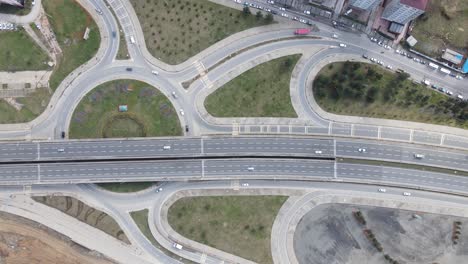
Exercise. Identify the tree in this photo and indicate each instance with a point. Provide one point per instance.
(246, 11)
(269, 18)
(259, 15)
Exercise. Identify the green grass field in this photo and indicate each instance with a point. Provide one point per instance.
(240, 225)
(362, 89)
(262, 91)
(126, 187)
(444, 25)
(150, 113)
(69, 21)
(141, 220)
(18, 52)
(33, 106)
(177, 30)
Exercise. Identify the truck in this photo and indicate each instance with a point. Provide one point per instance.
(302, 31)
(443, 70)
(426, 82)
(434, 66)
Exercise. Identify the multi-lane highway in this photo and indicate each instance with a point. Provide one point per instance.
(232, 147)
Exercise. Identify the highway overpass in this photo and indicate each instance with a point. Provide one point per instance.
(226, 147)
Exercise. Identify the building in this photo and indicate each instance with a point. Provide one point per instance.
(403, 11)
(19, 3)
(365, 4)
(452, 56)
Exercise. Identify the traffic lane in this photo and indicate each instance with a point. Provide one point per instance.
(399, 175)
(18, 151)
(269, 146)
(120, 148)
(251, 168)
(403, 153)
(11, 173)
(123, 171)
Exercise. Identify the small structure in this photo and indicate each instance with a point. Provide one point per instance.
(452, 56)
(123, 108)
(465, 67)
(86, 33)
(411, 41)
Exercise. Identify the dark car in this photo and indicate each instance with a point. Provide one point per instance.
(129, 69)
(114, 34)
(186, 128)
(63, 134)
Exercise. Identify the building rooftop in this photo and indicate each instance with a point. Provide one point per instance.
(419, 4)
(452, 56)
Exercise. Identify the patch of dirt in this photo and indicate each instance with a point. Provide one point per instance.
(25, 241)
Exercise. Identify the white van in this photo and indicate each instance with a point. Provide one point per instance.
(132, 40)
(178, 246)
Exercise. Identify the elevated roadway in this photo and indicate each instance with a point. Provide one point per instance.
(231, 147)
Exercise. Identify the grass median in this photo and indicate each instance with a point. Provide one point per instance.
(240, 225)
(177, 30)
(149, 112)
(69, 21)
(18, 52)
(361, 89)
(262, 91)
(126, 187)
(141, 220)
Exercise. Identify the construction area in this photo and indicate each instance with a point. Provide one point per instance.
(338, 233)
(25, 241)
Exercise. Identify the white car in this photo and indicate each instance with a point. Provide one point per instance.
(238, 1)
(318, 152)
(335, 35)
(284, 15)
(459, 77)
(397, 51)
(418, 156)
(389, 67)
(307, 12)
(61, 150)
(167, 147)
(177, 246)
(380, 62)
(362, 150)
(250, 168)
(382, 190)
(460, 97)
(174, 95)
(159, 189)
(406, 194)
(343, 45)
(182, 112)
(282, 9)
(303, 21)
(155, 72)
(245, 185)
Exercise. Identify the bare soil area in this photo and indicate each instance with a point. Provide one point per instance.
(25, 241)
(332, 234)
(84, 213)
